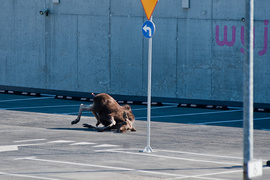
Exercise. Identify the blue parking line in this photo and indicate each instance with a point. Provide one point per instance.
(232, 121)
(26, 99)
(191, 114)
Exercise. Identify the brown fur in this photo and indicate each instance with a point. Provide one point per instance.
(109, 113)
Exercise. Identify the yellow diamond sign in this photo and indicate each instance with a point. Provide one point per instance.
(149, 6)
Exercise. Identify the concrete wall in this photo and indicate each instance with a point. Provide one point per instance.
(98, 46)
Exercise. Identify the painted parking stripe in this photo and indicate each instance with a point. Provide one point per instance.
(219, 173)
(61, 141)
(29, 140)
(178, 176)
(15, 147)
(105, 145)
(82, 143)
(27, 176)
(200, 154)
(171, 157)
(201, 176)
(8, 148)
(100, 166)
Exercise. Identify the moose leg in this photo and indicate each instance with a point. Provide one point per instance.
(98, 121)
(111, 120)
(97, 117)
(82, 108)
(101, 129)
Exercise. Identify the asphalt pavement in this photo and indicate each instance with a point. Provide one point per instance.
(38, 142)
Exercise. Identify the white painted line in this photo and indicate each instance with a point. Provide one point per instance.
(61, 141)
(212, 174)
(25, 158)
(172, 151)
(199, 154)
(101, 166)
(171, 157)
(31, 144)
(29, 140)
(191, 114)
(105, 145)
(27, 176)
(176, 176)
(118, 149)
(26, 99)
(8, 148)
(206, 178)
(15, 147)
(82, 143)
(231, 121)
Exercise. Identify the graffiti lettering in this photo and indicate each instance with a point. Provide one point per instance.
(225, 40)
(243, 39)
(232, 42)
(262, 52)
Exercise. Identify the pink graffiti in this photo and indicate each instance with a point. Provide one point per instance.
(225, 40)
(232, 42)
(243, 38)
(262, 52)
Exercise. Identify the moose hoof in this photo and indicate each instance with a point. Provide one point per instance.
(88, 126)
(75, 121)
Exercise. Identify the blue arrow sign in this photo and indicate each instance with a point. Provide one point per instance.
(148, 29)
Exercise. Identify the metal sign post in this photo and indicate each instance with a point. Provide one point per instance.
(248, 88)
(251, 168)
(148, 30)
(148, 148)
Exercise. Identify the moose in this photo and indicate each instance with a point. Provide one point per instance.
(108, 113)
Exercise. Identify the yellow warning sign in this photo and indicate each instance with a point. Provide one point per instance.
(149, 6)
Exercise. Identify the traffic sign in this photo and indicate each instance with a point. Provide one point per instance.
(148, 29)
(149, 6)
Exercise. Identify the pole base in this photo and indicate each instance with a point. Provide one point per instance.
(148, 149)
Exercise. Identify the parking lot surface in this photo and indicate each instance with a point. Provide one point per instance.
(38, 142)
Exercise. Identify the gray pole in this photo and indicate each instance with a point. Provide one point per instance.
(148, 147)
(248, 88)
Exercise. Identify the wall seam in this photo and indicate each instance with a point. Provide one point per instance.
(110, 44)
